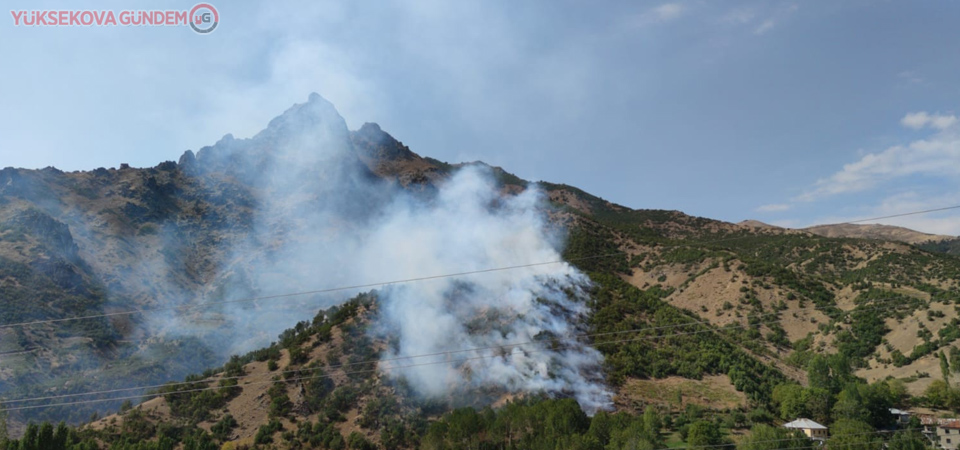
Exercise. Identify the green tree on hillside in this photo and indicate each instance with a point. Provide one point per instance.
(766, 437)
(944, 368)
(796, 401)
(4, 433)
(907, 440)
(954, 359)
(652, 422)
(851, 434)
(829, 372)
(704, 433)
(869, 403)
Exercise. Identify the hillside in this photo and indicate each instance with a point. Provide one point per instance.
(879, 232)
(657, 311)
(950, 246)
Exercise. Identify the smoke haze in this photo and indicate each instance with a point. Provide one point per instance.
(323, 219)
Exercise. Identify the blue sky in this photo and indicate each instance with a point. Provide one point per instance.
(793, 113)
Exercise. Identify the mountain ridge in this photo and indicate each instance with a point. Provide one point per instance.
(875, 231)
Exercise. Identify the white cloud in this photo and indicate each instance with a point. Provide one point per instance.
(910, 77)
(935, 156)
(667, 11)
(764, 27)
(664, 13)
(774, 207)
(741, 16)
(761, 21)
(921, 119)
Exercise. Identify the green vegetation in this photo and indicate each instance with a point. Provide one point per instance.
(619, 306)
(949, 246)
(542, 424)
(766, 437)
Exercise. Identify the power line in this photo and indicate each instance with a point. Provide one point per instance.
(401, 281)
(187, 308)
(500, 347)
(765, 441)
(302, 293)
(449, 352)
(331, 375)
(902, 215)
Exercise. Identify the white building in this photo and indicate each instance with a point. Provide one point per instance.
(943, 433)
(810, 428)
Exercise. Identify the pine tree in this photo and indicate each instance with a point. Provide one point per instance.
(954, 359)
(945, 368)
(4, 433)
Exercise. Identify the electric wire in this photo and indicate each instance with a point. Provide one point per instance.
(410, 357)
(185, 308)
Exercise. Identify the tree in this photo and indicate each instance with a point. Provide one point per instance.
(954, 359)
(898, 391)
(790, 398)
(565, 416)
(651, 422)
(357, 441)
(818, 373)
(704, 433)
(601, 427)
(4, 433)
(199, 441)
(907, 440)
(818, 403)
(464, 424)
(766, 437)
(45, 437)
(852, 434)
(878, 398)
(870, 403)
(849, 404)
(944, 368)
(937, 393)
(632, 435)
(61, 435)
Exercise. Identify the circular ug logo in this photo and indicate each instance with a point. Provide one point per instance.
(203, 18)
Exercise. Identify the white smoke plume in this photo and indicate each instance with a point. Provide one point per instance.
(470, 227)
(322, 219)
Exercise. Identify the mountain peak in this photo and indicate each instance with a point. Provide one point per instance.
(312, 127)
(372, 142)
(370, 128)
(751, 223)
(303, 136)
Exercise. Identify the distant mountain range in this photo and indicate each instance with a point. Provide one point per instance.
(932, 242)
(881, 232)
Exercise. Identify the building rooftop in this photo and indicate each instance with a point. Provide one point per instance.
(941, 422)
(804, 424)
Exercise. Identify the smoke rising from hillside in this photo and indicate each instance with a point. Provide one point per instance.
(322, 219)
(470, 227)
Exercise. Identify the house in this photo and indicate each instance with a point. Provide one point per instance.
(902, 417)
(810, 428)
(943, 433)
